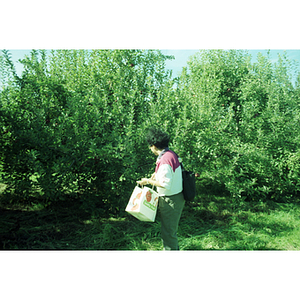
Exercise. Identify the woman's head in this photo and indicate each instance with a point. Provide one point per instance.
(158, 138)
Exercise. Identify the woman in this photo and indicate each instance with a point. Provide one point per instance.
(168, 180)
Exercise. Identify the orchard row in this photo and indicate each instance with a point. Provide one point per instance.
(73, 123)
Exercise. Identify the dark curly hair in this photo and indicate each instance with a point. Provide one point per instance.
(157, 138)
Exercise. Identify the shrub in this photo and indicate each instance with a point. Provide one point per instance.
(239, 126)
(74, 121)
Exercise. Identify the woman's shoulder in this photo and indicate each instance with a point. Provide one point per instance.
(171, 154)
(170, 158)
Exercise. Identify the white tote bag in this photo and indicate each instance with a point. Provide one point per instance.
(143, 204)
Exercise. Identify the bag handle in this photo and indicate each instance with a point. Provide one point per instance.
(140, 185)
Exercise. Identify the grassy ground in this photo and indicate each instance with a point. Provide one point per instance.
(215, 225)
(210, 223)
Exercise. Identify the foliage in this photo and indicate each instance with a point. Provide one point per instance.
(241, 123)
(73, 124)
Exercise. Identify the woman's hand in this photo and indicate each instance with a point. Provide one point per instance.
(143, 181)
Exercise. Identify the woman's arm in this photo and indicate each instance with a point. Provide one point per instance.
(145, 181)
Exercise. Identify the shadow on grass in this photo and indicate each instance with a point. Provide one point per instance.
(69, 227)
(214, 224)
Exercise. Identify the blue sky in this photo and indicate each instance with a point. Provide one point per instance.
(181, 57)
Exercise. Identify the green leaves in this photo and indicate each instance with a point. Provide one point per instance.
(76, 122)
(237, 120)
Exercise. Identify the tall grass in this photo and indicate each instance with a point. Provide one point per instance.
(211, 223)
(255, 227)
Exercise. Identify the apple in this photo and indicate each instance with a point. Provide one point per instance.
(148, 196)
